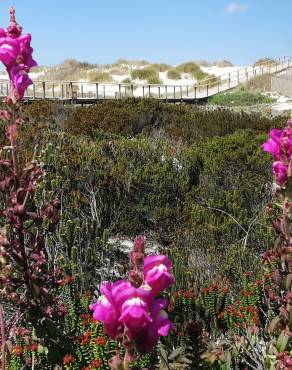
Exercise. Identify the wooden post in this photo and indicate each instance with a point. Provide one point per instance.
(229, 80)
(81, 90)
(71, 90)
(33, 90)
(207, 91)
(195, 92)
(120, 91)
(165, 92)
(173, 92)
(246, 74)
(159, 92)
(187, 90)
(96, 90)
(149, 87)
(104, 91)
(53, 90)
(62, 91)
(143, 91)
(44, 90)
(238, 77)
(132, 91)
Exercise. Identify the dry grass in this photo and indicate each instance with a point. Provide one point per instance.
(160, 67)
(173, 74)
(259, 83)
(69, 70)
(144, 74)
(264, 62)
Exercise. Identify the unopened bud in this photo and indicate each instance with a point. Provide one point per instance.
(139, 244)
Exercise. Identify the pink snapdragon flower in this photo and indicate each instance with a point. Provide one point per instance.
(130, 310)
(157, 272)
(273, 145)
(106, 310)
(122, 304)
(16, 55)
(159, 326)
(280, 146)
(280, 170)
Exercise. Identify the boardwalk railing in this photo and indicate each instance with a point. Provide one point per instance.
(89, 91)
(282, 82)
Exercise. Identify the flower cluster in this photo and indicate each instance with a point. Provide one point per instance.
(280, 146)
(16, 55)
(130, 309)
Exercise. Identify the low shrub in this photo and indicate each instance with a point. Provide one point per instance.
(239, 98)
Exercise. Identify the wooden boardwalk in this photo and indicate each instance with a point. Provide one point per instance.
(90, 93)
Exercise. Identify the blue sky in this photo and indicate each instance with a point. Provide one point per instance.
(171, 31)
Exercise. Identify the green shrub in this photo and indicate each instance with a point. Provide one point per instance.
(239, 98)
(173, 74)
(144, 74)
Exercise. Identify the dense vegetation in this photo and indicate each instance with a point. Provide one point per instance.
(159, 169)
(192, 179)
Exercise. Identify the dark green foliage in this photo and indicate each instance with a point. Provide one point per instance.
(144, 184)
(131, 117)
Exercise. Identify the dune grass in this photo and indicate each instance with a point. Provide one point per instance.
(160, 67)
(154, 81)
(264, 62)
(144, 74)
(127, 81)
(173, 74)
(122, 61)
(193, 69)
(259, 83)
(98, 76)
